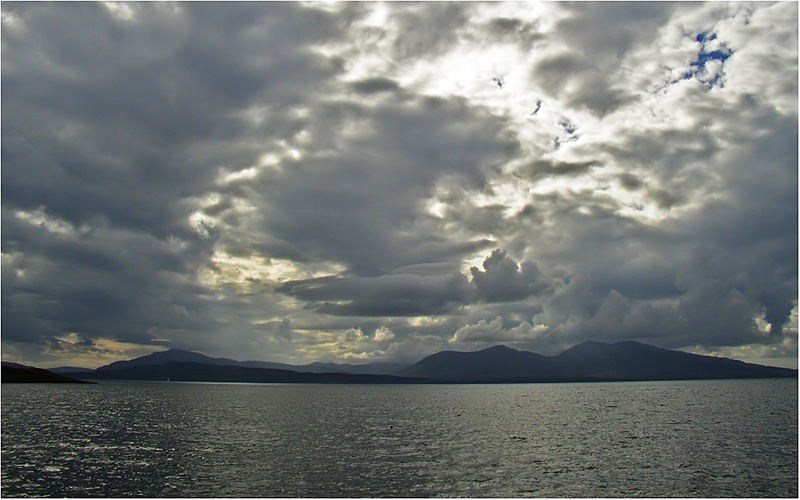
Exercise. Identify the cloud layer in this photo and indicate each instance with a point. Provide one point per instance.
(299, 182)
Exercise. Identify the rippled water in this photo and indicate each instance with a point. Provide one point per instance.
(684, 439)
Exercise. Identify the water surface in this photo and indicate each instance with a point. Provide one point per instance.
(655, 439)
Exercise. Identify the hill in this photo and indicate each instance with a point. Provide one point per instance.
(169, 356)
(16, 373)
(207, 372)
(589, 361)
(586, 362)
(69, 369)
(181, 356)
(496, 363)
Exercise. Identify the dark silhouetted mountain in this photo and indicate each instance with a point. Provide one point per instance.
(15, 365)
(590, 361)
(16, 373)
(206, 372)
(492, 364)
(267, 364)
(376, 368)
(181, 356)
(69, 369)
(636, 361)
(169, 356)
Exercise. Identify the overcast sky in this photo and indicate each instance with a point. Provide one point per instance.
(359, 182)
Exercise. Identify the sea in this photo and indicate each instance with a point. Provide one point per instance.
(724, 438)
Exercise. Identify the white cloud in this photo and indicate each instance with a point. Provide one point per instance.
(494, 332)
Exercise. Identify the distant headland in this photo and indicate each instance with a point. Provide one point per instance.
(21, 374)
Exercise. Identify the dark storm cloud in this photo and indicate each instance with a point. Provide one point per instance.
(699, 279)
(598, 36)
(375, 85)
(755, 228)
(364, 203)
(99, 283)
(505, 24)
(665, 199)
(610, 30)
(667, 153)
(629, 181)
(387, 295)
(111, 126)
(122, 144)
(427, 30)
(501, 280)
(541, 169)
(581, 81)
(514, 30)
(86, 121)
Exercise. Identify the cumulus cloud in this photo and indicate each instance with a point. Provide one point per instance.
(503, 280)
(493, 332)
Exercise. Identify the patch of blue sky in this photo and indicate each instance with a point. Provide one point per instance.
(698, 66)
(705, 36)
(714, 55)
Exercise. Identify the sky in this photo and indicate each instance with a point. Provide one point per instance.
(358, 182)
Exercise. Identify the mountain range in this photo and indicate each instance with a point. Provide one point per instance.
(586, 362)
(181, 356)
(589, 361)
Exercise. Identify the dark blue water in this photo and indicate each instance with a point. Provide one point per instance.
(654, 439)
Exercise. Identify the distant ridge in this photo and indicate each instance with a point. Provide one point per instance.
(495, 363)
(168, 356)
(21, 374)
(68, 369)
(586, 362)
(181, 356)
(206, 372)
(589, 361)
